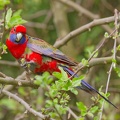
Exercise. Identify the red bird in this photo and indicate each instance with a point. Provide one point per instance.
(41, 56)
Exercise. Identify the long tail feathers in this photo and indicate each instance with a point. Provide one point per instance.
(85, 86)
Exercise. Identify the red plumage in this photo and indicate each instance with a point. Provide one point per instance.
(16, 50)
(42, 66)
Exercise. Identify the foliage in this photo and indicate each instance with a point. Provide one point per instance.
(13, 19)
(57, 92)
(3, 3)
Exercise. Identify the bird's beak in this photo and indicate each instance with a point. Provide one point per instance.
(19, 36)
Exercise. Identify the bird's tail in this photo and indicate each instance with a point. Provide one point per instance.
(85, 86)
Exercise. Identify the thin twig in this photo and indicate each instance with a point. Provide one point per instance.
(20, 81)
(5, 11)
(102, 44)
(37, 14)
(94, 52)
(113, 65)
(108, 80)
(79, 8)
(72, 113)
(36, 25)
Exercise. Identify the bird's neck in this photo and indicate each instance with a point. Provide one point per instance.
(17, 50)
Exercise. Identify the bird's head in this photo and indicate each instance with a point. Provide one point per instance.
(18, 34)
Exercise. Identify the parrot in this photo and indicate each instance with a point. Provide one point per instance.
(42, 57)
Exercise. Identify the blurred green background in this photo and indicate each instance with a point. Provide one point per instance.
(51, 20)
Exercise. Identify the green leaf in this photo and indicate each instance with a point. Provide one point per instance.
(77, 81)
(3, 3)
(8, 18)
(88, 51)
(118, 47)
(81, 118)
(96, 118)
(64, 74)
(49, 103)
(61, 109)
(82, 108)
(117, 70)
(66, 86)
(53, 114)
(114, 60)
(17, 13)
(57, 75)
(55, 101)
(15, 19)
(22, 91)
(84, 62)
(90, 114)
(4, 47)
(106, 35)
(53, 92)
(9, 103)
(94, 109)
(38, 80)
(73, 90)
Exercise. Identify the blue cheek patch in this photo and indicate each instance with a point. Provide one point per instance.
(22, 41)
(13, 39)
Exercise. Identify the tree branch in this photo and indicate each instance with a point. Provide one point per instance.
(26, 83)
(72, 113)
(17, 82)
(100, 61)
(10, 63)
(113, 65)
(79, 8)
(25, 104)
(89, 14)
(83, 28)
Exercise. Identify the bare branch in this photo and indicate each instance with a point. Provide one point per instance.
(89, 14)
(26, 83)
(113, 65)
(83, 28)
(25, 104)
(79, 8)
(10, 87)
(37, 14)
(17, 82)
(10, 63)
(72, 113)
(36, 25)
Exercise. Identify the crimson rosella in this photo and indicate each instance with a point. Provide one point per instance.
(42, 56)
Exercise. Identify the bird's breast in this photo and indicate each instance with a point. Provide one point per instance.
(17, 50)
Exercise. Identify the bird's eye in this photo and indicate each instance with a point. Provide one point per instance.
(14, 29)
(19, 36)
